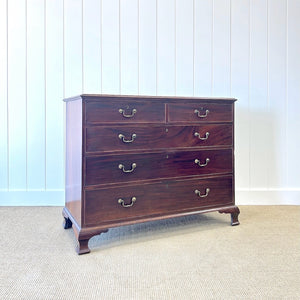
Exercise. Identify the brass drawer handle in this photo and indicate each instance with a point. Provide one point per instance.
(122, 167)
(202, 196)
(122, 111)
(198, 112)
(197, 134)
(198, 162)
(122, 202)
(122, 138)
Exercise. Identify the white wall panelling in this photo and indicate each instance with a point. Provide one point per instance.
(240, 53)
(110, 74)
(129, 47)
(73, 47)
(248, 49)
(35, 104)
(54, 78)
(147, 47)
(3, 98)
(293, 92)
(184, 29)
(17, 95)
(221, 48)
(91, 35)
(277, 92)
(258, 93)
(203, 45)
(165, 48)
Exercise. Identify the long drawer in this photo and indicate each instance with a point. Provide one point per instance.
(127, 138)
(127, 111)
(200, 112)
(133, 202)
(145, 166)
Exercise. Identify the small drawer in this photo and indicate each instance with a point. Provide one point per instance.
(200, 112)
(129, 138)
(137, 201)
(127, 111)
(147, 166)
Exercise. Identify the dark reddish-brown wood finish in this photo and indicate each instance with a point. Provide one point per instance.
(156, 199)
(109, 112)
(100, 139)
(162, 165)
(133, 159)
(181, 112)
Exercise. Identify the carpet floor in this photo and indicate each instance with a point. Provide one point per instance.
(194, 257)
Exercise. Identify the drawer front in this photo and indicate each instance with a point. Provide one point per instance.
(109, 205)
(124, 138)
(200, 112)
(134, 167)
(124, 112)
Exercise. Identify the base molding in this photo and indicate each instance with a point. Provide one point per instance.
(267, 197)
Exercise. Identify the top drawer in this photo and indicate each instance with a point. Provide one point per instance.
(124, 112)
(200, 112)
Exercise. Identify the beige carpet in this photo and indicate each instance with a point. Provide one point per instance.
(195, 257)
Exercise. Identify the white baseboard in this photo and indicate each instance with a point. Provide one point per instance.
(32, 198)
(267, 197)
(56, 197)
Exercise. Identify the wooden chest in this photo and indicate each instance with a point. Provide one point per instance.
(133, 159)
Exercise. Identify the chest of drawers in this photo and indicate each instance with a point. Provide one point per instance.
(133, 159)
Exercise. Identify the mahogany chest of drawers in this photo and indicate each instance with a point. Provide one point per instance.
(133, 159)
